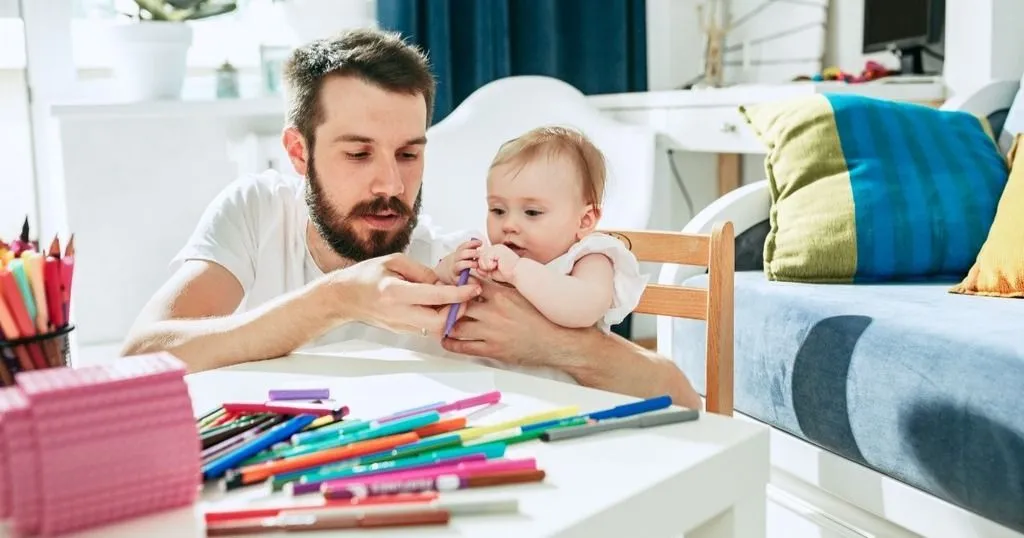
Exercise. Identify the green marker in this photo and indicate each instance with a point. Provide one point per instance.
(492, 451)
(535, 433)
(330, 431)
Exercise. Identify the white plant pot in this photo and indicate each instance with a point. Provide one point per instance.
(149, 58)
(317, 19)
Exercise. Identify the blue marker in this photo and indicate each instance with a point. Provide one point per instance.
(279, 433)
(630, 409)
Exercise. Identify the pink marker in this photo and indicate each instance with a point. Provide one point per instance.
(343, 487)
(487, 398)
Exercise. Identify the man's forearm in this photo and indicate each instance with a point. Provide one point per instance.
(274, 329)
(610, 362)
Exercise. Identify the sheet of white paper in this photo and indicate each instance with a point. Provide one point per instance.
(367, 397)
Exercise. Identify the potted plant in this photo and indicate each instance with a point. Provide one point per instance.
(150, 53)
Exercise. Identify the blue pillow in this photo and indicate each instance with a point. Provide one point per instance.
(865, 189)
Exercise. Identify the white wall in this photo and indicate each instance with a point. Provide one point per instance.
(17, 192)
(983, 42)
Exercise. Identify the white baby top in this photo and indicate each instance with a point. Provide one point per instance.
(628, 282)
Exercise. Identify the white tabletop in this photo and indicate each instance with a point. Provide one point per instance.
(668, 480)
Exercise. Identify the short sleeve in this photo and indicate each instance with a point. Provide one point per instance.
(628, 282)
(227, 231)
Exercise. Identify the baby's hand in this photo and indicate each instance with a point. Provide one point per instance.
(464, 258)
(497, 262)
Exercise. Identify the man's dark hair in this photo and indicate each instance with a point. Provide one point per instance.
(378, 57)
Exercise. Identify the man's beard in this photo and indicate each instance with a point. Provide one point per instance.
(338, 230)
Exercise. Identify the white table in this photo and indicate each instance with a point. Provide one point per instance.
(702, 479)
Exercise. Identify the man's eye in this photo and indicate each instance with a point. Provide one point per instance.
(358, 155)
(410, 156)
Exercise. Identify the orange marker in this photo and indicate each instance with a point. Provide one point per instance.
(10, 329)
(444, 426)
(261, 471)
(16, 305)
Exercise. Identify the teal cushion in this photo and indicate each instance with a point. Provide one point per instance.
(866, 189)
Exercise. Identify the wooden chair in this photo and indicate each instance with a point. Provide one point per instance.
(714, 305)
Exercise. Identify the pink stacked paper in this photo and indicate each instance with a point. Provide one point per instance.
(20, 492)
(111, 442)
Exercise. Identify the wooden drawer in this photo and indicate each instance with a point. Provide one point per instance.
(717, 129)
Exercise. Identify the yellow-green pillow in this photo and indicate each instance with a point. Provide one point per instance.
(868, 190)
(999, 269)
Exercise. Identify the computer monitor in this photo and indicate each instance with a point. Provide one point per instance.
(904, 27)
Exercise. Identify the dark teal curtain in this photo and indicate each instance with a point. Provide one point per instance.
(598, 46)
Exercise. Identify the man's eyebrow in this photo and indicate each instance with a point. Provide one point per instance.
(418, 141)
(353, 138)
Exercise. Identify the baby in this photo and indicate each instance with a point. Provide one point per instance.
(544, 192)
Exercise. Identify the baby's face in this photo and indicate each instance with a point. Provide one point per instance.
(537, 209)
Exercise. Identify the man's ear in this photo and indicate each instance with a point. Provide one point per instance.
(295, 146)
(588, 221)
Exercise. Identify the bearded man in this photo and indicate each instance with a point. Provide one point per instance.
(339, 251)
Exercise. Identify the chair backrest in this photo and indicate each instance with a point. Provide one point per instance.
(1014, 122)
(460, 149)
(715, 305)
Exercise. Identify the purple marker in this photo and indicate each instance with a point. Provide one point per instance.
(454, 312)
(300, 394)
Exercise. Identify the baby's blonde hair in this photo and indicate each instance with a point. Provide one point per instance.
(564, 141)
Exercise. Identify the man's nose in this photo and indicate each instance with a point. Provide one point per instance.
(388, 179)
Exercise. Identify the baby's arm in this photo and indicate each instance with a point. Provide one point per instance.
(579, 299)
(464, 257)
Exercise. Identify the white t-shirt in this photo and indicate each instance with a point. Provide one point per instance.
(256, 229)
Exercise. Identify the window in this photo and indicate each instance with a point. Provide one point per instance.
(17, 185)
(234, 37)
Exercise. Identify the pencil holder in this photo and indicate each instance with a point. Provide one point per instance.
(50, 350)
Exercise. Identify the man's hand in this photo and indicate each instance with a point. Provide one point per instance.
(506, 327)
(395, 293)
(497, 262)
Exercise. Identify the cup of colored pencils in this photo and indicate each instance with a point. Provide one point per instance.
(35, 298)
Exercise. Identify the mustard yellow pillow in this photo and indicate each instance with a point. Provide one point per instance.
(999, 269)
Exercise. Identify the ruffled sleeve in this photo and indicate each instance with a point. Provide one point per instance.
(628, 282)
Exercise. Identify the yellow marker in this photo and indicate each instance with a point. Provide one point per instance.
(492, 437)
(554, 414)
(34, 270)
(321, 421)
